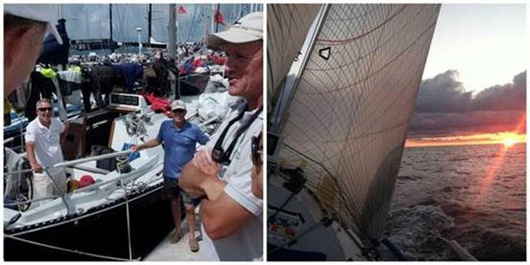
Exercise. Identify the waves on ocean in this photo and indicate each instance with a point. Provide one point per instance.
(475, 195)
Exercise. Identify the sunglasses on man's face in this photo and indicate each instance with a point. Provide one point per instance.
(45, 109)
(178, 111)
(256, 151)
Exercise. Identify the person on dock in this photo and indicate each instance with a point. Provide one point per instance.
(24, 30)
(180, 139)
(44, 138)
(231, 215)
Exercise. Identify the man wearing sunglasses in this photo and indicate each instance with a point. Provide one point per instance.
(220, 174)
(44, 137)
(179, 138)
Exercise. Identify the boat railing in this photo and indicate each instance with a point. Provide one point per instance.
(9, 140)
(73, 163)
(120, 179)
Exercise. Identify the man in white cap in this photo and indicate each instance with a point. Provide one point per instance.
(231, 214)
(24, 30)
(179, 138)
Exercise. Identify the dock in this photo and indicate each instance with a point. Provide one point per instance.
(165, 251)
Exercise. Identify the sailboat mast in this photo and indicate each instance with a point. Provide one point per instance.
(171, 49)
(149, 18)
(213, 19)
(286, 98)
(205, 21)
(59, 11)
(110, 24)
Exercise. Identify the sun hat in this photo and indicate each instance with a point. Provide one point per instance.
(248, 29)
(37, 12)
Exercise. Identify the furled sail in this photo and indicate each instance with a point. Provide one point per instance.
(347, 120)
(287, 27)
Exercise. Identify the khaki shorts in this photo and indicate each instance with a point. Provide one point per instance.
(43, 186)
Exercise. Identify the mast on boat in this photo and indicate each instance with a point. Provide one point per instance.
(285, 99)
(110, 24)
(172, 31)
(212, 13)
(59, 11)
(149, 18)
(171, 47)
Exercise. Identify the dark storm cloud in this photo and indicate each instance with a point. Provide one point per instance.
(506, 97)
(484, 121)
(443, 106)
(443, 93)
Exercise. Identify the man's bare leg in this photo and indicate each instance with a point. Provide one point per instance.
(175, 212)
(190, 216)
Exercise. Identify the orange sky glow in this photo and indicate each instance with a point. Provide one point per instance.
(506, 138)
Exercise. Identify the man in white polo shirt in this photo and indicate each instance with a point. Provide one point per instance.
(43, 144)
(220, 174)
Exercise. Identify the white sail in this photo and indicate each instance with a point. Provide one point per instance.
(287, 27)
(347, 120)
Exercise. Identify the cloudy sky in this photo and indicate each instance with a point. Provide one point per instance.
(91, 21)
(484, 42)
(475, 77)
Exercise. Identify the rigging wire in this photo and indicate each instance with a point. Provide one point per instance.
(193, 21)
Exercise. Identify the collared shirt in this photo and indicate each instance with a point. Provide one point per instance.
(246, 244)
(47, 142)
(179, 145)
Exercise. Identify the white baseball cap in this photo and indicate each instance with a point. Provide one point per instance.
(178, 104)
(37, 12)
(247, 29)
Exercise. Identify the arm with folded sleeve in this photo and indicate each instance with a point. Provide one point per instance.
(221, 215)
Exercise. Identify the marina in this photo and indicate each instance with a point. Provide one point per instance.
(113, 100)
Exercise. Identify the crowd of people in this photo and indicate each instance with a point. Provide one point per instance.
(224, 177)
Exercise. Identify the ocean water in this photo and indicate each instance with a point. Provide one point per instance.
(475, 195)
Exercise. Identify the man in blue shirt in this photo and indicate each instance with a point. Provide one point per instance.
(179, 138)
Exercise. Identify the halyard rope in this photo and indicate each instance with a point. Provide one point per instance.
(128, 221)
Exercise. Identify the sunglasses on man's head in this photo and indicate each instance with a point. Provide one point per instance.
(45, 109)
(256, 151)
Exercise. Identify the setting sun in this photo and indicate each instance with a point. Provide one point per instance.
(508, 142)
(508, 139)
